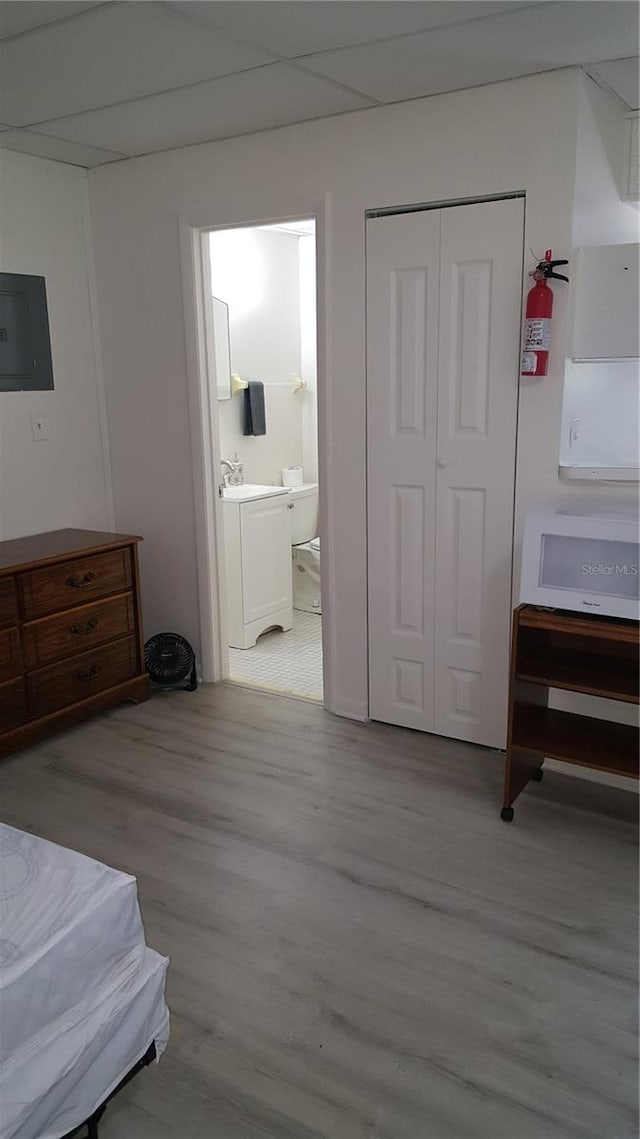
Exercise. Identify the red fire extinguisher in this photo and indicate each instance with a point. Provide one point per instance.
(537, 325)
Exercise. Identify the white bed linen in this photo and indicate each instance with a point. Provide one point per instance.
(66, 923)
(52, 1087)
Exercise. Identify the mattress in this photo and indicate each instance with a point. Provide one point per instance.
(67, 923)
(55, 1083)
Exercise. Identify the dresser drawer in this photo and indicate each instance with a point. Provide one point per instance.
(13, 705)
(10, 654)
(84, 627)
(74, 582)
(8, 601)
(81, 676)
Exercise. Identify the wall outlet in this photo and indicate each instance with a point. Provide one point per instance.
(38, 427)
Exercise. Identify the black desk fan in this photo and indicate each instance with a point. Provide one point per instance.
(171, 662)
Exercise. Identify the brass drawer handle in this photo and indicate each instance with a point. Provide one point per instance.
(80, 631)
(86, 673)
(80, 582)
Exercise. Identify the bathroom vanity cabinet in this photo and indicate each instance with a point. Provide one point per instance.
(257, 538)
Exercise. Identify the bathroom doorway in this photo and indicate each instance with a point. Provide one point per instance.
(262, 330)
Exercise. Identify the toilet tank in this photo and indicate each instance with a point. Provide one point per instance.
(304, 516)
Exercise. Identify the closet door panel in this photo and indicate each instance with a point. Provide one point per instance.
(479, 335)
(402, 331)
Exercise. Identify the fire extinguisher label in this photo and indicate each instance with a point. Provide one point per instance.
(528, 364)
(537, 334)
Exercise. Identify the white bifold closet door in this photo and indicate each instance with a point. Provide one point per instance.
(443, 335)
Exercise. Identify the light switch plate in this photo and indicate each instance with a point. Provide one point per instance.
(38, 427)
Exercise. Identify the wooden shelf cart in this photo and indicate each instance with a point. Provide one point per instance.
(593, 655)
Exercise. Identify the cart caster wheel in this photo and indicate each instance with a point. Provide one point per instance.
(506, 814)
(538, 775)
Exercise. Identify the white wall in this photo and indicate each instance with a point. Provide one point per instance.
(602, 395)
(257, 273)
(600, 216)
(487, 141)
(308, 356)
(62, 481)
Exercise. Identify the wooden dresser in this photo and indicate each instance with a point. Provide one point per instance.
(70, 631)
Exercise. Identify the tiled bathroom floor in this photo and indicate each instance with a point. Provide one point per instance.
(284, 662)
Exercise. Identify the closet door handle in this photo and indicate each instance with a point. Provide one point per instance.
(442, 462)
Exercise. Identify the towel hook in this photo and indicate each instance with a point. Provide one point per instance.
(237, 384)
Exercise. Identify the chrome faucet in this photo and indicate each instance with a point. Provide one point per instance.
(232, 471)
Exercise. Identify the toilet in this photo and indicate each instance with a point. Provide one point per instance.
(305, 548)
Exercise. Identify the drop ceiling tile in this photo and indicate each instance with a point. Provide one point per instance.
(292, 29)
(517, 43)
(623, 77)
(44, 146)
(22, 15)
(110, 54)
(236, 104)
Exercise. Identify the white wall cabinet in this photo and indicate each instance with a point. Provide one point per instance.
(443, 333)
(257, 537)
(606, 323)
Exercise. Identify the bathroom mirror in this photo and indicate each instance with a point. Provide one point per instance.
(221, 348)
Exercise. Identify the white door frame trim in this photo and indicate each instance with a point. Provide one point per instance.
(203, 415)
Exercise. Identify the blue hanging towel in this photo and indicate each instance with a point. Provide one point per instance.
(254, 417)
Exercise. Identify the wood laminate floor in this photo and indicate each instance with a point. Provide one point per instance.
(360, 948)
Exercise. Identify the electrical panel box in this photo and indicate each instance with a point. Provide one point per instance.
(25, 349)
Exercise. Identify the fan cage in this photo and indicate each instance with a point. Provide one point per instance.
(169, 659)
